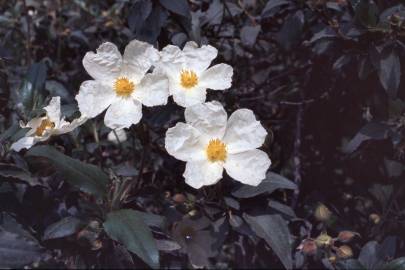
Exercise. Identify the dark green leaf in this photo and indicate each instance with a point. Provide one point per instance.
(350, 264)
(138, 14)
(389, 72)
(369, 255)
(272, 182)
(282, 208)
(127, 227)
(64, 227)
(274, 230)
(366, 13)
(248, 34)
(10, 170)
(86, 177)
(290, 32)
(272, 4)
(372, 130)
(16, 251)
(397, 264)
(179, 7)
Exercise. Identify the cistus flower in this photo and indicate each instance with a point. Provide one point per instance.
(121, 84)
(41, 128)
(209, 142)
(189, 75)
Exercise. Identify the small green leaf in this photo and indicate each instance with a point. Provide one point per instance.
(127, 227)
(10, 170)
(179, 7)
(274, 230)
(86, 177)
(272, 182)
(64, 227)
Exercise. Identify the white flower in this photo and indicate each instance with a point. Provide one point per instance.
(189, 75)
(41, 128)
(209, 142)
(121, 84)
(117, 136)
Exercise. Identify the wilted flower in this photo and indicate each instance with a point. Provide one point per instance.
(209, 142)
(344, 252)
(121, 84)
(117, 136)
(189, 75)
(41, 128)
(324, 240)
(308, 247)
(322, 213)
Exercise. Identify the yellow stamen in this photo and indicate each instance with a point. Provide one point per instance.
(216, 150)
(188, 78)
(45, 124)
(123, 87)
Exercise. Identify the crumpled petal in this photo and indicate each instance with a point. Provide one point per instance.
(244, 132)
(93, 98)
(187, 97)
(202, 173)
(105, 64)
(184, 142)
(218, 77)
(209, 118)
(138, 59)
(24, 142)
(123, 113)
(67, 127)
(53, 110)
(197, 58)
(153, 90)
(248, 167)
(118, 136)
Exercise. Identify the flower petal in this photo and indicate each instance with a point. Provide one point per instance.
(184, 142)
(105, 64)
(209, 118)
(187, 97)
(244, 132)
(153, 90)
(139, 56)
(24, 142)
(34, 123)
(93, 98)
(67, 127)
(218, 77)
(248, 167)
(118, 136)
(197, 58)
(123, 113)
(202, 173)
(53, 110)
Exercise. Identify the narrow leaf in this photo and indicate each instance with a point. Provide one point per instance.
(64, 227)
(127, 227)
(86, 177)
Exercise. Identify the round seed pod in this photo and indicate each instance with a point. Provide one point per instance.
(375, 218)
(309, 247)
(322, 213)
(323, 240)
(344, 252)
(346, 236)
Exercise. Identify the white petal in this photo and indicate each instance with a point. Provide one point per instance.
(123, 113)
(53, 110)
(244, 132)
(199, 59)
(24, 142)
(209, 118)
(202, 173)
(118, 136)
(67, 127)
(138, 58)
(184, 142)
(187, 97)
(153, 90)
(34, 123)
(248, 167)
(105, 65)
(218, 77)
(170, 53)
(93, 98)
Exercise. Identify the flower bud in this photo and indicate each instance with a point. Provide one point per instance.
(309, 247)
(344, 252)
(322, 213)
(346, 236)
(375, 218)
(179, 198)
(323, 240)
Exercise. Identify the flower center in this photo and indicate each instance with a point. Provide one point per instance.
(123, 87)
(45, 124)
(188, 78)
(216, 150)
